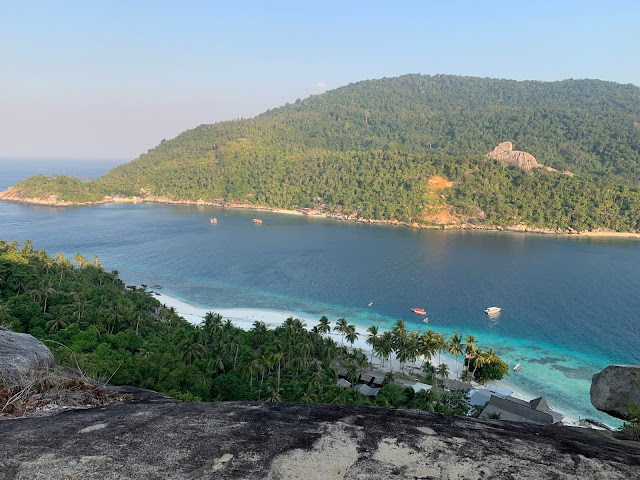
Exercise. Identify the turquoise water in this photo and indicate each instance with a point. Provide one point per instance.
(568, 304)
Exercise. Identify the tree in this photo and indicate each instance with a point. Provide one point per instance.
(324, 326)
(443, 371)
(372, 338)
(455, 348)
(341, 327)
(351, 334)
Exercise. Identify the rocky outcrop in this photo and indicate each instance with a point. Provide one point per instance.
(22, 354)
(290, 441)
(615, 388)
(507, 155)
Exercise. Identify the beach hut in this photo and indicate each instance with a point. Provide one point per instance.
(419, 387)
(366, 378)
(404, 383)
(366, 390)
(343, 373)
(452, 384)
(343, 383)
(377, 381)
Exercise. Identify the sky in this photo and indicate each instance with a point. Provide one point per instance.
(111, 79)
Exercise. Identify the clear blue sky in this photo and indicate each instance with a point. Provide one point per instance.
(113, 78)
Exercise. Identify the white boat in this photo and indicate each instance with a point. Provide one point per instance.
(370, 303)
(516, 368)
(426, 320)
(493, 310)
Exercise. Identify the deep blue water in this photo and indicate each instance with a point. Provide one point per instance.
(568, 303)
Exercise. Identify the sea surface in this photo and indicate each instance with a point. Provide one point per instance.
(570, 304)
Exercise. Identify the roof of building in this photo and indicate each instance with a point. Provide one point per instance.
(516, 411)
(418, 387)
(453, 384)
(343, 372)
(502, 392)
(366, 378)
(343, 383)
(404, 383)
(366, 390)
(479, 396)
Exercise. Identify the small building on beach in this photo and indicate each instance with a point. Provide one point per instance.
(343, 383)
(366, 390)
(453, 384)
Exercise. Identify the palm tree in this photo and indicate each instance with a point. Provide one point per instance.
(351, 334)
(341, 327)
(80, 260)
(455, 347)
(427, 348)
(273, 394)
(372, 338)
(442, 371)
(212, 323)
(324, 326)
(45, 291)
(56, 324)
(260, 333)
(430, 372)
(386, 347)
(439, 344)
(115, 313)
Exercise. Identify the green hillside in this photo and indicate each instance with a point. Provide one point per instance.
(370, 148)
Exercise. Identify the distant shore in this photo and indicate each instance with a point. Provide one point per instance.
(14, 196)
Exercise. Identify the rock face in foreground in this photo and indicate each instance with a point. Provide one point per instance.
(615, 388)
(506, 154)
(281, 441)
(22, 354)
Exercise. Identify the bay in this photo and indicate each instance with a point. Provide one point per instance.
(569, 304)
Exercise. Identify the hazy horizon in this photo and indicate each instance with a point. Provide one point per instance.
(112, 80)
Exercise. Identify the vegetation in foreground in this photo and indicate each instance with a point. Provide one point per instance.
(92, 322)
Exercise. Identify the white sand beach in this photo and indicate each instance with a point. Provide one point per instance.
(244, 318)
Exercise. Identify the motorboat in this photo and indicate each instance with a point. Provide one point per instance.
(493, 310)
(418, 311)
(516, 368)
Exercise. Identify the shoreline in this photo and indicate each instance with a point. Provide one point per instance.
(244, 318)
(12, 196)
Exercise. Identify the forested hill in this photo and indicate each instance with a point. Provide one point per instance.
(372, 150)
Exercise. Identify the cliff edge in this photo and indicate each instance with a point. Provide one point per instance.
(278, 441)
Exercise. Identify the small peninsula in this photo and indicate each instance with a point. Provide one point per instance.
(423, 151)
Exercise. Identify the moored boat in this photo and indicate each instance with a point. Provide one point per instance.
(493, 310)
(426, 320)
(257, 220)
(418, 311)
(213, 220)
(516, 368)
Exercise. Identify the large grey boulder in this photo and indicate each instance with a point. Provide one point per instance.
(615, 388)
(278, 441)
(505, 153)
(22, 355)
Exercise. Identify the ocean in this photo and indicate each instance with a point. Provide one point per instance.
(570, 305)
